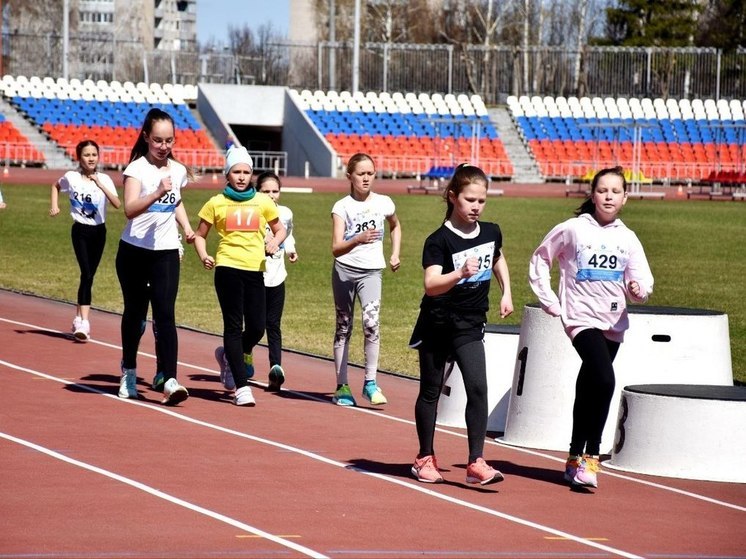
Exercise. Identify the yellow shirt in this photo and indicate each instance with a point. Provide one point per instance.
(241, 226)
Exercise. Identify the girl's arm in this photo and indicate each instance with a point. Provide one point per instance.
(290, 242)
(54, 206)
(500, 270)
(111, 195)
(539, 271)
(395, 232)
(200, 244)
(183, 220)
(341, 247)
(438, 283)
(637, 277)
(133, 204)
(278, 236)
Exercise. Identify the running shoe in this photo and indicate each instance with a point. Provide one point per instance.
(244, 397)
(158, 381)
(248, 360)
(276, 378)
(173, 392)
(77, 321)
(587, 473)
(571, 467)
(226, 376)
(373, 394)
(128, 384)
(83, 333)
(343, 396)
(425, 469)
(482, 473)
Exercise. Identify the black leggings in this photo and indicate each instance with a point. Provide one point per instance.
(471, 362)
(275, 304)
(149, 277)
(594, 389)
(88, 244)
(242, 301)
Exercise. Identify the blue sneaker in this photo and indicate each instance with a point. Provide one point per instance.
(248, 360)
(373, 393)
(343, 396)
(276, 378)
(158, 381)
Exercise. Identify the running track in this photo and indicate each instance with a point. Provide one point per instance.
(85, 474)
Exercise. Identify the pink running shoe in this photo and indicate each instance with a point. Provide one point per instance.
(587, 473)
(482, 473)
(425, 469)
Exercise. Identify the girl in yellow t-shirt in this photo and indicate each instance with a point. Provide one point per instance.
(240, 215)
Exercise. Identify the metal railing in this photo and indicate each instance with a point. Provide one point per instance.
(493, 72)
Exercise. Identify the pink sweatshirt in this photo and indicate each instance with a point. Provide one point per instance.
(596, 263)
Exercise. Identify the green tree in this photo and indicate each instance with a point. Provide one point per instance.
(642, 23)
(723, 25)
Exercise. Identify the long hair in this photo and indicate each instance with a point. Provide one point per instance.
(140, 149)
(354, 160)
(588, 207)
(464, 175)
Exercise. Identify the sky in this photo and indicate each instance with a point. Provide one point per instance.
(214, 16)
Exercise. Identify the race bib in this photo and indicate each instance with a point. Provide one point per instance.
(484, 254)
(600, 263)
(242, 218)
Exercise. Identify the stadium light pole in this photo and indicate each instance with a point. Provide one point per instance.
(356, 49)
(65, 36)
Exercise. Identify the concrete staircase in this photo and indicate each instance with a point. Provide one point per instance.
(524, 166)
(54, 156)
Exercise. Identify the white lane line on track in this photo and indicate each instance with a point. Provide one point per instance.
(378, 414)
(408, 485)
(166, 497)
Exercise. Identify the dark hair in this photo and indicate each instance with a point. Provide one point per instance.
(140, 149)
(357, 158)
(265, 176)
(464, 175)
(588, 207)
(84, 144)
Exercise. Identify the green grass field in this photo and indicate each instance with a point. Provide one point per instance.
(695, 250)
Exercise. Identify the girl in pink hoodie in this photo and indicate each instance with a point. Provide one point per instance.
(601, 264)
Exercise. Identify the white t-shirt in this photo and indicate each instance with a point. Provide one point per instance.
(275, 272)
(359, 216)
(155, 229)
(87, 200)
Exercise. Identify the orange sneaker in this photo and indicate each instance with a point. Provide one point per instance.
(482, 473)
(425, 469)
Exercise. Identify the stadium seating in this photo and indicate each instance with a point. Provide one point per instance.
(15, 148)
(664, 139)
(407, 134)
(109, 113)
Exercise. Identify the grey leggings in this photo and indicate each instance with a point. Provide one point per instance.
(347, 284)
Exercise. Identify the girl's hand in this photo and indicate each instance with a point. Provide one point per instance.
(189, 236)
(369, 236)
(394, 263)
(293, 257)
(270, 246)
(470, 268)
(165, 185)
(634, 288)
(54, 210)
(506, 306)
(208, 262)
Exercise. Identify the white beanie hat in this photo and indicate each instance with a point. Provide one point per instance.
(237, 154)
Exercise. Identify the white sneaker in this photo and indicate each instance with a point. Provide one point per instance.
(83, 332)
(173, 393)
(226, 376)
(244, 397)
(128, 384)
(77, 321)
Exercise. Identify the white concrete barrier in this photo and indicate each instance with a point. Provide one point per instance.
(682, 431)
(500, 345)
(663, 345)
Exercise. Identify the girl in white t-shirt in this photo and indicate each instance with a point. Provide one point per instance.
(358, 223)
(148, 258)
(89, 192)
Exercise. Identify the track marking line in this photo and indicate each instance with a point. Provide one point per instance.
(405, 484)
(256, 532)
(378, 414)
